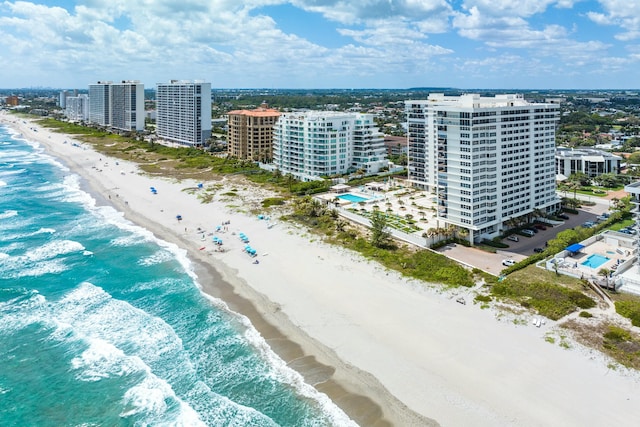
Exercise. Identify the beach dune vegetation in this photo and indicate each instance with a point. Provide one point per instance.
(548, 299)
(423, 265)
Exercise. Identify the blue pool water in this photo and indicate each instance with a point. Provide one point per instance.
(352, 198)
(595, 261)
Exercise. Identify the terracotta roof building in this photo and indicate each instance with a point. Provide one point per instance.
(250, 133)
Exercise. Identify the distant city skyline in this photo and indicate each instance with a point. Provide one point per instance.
(500, 44)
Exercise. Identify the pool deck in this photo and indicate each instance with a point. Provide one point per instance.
(573, 264)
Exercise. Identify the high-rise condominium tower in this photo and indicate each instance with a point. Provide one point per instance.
(183, 112)
(487, 159)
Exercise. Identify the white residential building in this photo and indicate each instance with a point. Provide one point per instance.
(183, 112)
(127, 105)
(369, 151)
(99, 103)
(586, 160)
(77, 108)
(487, 159)
(313, 144)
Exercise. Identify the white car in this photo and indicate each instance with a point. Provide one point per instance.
(508, 262)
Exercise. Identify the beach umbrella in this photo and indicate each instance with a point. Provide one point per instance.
(178, 217)
(200, 185)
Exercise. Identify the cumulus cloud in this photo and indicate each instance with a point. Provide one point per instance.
(622, 13)
(359, 11)
(241, 43)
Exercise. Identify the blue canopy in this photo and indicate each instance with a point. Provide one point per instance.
(576, 247)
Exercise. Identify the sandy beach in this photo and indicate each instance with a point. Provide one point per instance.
(387, 350)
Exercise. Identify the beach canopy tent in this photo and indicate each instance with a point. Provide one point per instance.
(575, 248)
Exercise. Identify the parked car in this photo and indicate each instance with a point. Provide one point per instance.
(563, 216)
(588, 224)
(508, 262)
(540, 226)
(528, 232)
(538, 250)
(513, 238)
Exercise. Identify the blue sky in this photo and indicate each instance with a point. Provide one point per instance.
(467, 44)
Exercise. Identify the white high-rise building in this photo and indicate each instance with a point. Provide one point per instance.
(127, 105)
(369, 151)
(99, 103)
(77, 108)
(313, 144)
(487, 159)
(183, 112)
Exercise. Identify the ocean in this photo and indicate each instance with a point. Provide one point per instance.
(102, 324)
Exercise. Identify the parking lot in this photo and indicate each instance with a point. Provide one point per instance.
(525, 246)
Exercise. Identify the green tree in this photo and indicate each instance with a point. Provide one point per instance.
(380, 235)
(581, 178)
(634, 159)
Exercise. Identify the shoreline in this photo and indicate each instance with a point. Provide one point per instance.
(409, 348)
(355, 392)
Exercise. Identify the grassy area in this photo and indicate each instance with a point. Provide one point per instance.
(629, 306)
(551, 296)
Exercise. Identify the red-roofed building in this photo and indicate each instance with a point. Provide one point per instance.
(250, 133)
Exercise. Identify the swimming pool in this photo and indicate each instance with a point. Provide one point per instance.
(352, 198)
(595, 261)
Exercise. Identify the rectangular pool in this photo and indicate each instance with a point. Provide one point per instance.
(595, 261)
(352, 198)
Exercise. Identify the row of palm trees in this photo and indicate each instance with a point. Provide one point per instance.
(447, 232)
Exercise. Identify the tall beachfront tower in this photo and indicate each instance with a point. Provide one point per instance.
(183, 112)
(314, 144)
(250, 134)
(127, 105)
(99, 103)
(77, 108)
(487, 159)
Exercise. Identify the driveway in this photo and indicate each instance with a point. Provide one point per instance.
(473, 257)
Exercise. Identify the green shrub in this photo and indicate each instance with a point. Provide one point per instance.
(495, 243)
(585, 314)
(273, 201)
(629, 309)
(483, 298)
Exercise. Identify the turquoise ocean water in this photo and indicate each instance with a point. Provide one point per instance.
(101, 324)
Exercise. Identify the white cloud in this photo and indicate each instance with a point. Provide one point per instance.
(434, 13)
(237, 43)
(622, 13)
(522, 8)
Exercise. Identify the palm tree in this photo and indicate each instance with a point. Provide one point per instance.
(573, 185)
